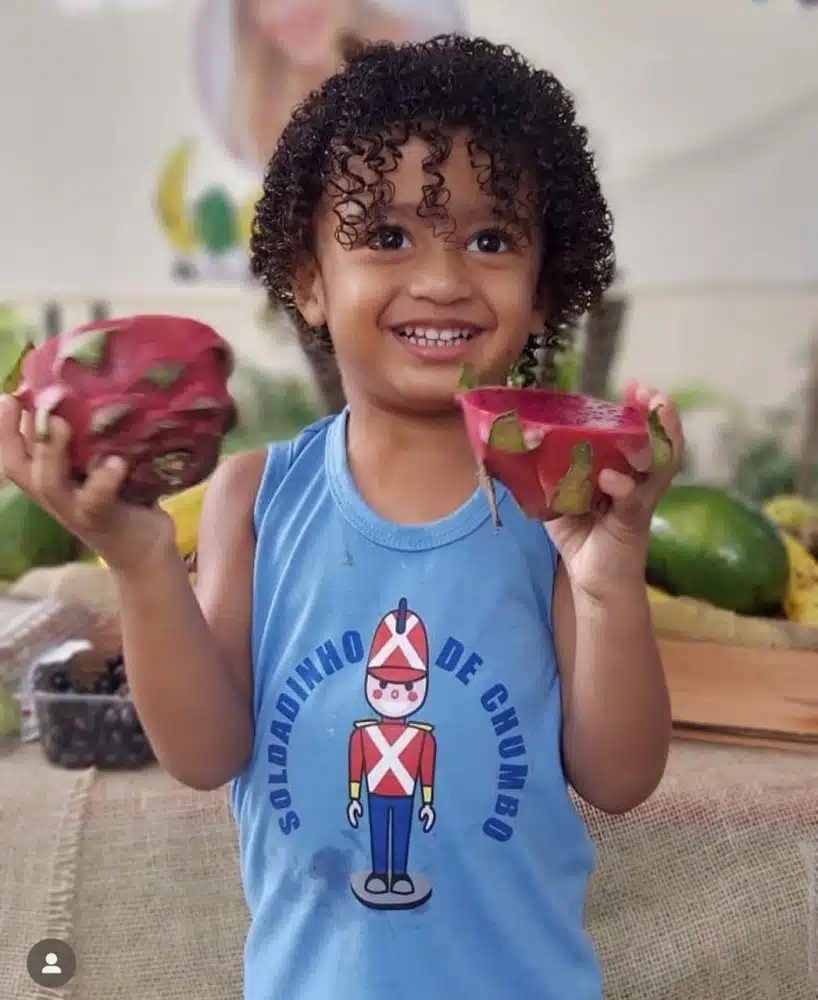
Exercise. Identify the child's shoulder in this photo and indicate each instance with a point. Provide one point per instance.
(292, 455)
(286, 451)
(307, 434)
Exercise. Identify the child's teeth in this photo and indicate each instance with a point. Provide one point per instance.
(432, 337)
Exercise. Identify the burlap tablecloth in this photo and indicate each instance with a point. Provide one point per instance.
(708, 892)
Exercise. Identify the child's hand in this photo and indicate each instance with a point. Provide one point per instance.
(605, 552)
(125, 536)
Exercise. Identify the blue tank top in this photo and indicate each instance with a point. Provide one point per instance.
(404, 823)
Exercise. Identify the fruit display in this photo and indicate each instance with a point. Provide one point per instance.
(711, 544)
(548, 447)
(714, 554)
(85, 714)
(30, 537)
(152, 389)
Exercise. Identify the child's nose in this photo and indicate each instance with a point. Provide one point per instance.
(395, 693)
(441, 275)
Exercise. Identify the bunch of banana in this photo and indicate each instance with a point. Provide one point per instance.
(657, 596)
(185, 509)
(797, 517)
(697, 621)
(801, 599)
(792, 513)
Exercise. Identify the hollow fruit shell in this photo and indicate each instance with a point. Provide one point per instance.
(548, 447)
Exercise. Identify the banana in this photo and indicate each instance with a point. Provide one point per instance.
(791, 512)
(171, 205)
(185, 509)
(656, 596)
(694, 621)
(801, 599)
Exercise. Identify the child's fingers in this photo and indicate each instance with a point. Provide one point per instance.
(27, 430)
(617, 485)
(640, 459)
(49, 466)
(638, 394)
(629, 499)
(14, 459)
(100, 490)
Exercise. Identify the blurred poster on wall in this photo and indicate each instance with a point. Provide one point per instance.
(253, 62)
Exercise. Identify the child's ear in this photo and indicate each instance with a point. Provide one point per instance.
(308, 290)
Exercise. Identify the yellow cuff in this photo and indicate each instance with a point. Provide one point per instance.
(427, 794)
(354, 789)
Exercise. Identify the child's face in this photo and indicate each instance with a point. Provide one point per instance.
(407, 312)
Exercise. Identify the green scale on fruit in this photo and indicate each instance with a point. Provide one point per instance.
(661, 446)
(574, 494)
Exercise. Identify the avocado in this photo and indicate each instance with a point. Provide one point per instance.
(29, 536)
(715, 545)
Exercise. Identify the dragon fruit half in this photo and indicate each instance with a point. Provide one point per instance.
(548, 447)
(151, 389)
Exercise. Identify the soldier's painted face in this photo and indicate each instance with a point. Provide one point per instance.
(395, 701)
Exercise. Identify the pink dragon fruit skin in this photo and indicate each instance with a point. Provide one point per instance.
(548, 447)
(151, 389)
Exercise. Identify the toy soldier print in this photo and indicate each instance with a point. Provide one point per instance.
(390, 756)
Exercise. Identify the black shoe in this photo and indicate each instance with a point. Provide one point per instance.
(402, 885)
(376, 884)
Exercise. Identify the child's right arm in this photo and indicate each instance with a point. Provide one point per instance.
(188, 659)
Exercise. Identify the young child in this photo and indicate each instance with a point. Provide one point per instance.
(400, 693)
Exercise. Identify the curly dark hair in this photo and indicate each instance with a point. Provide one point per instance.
(522, 128)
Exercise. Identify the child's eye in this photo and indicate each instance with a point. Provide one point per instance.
(389, 238)
(489, 241)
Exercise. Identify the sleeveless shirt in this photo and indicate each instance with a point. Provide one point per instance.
(405, 825)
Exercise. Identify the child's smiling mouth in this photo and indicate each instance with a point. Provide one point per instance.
(437, 342)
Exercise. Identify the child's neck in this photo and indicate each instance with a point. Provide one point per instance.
(410, 467)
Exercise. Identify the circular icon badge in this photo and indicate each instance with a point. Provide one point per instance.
(51, 963)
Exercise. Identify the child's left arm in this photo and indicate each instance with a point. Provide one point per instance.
(616, 709)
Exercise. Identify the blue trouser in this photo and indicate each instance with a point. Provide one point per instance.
(387, 811)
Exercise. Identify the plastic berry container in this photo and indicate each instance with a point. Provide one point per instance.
(87, 729)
